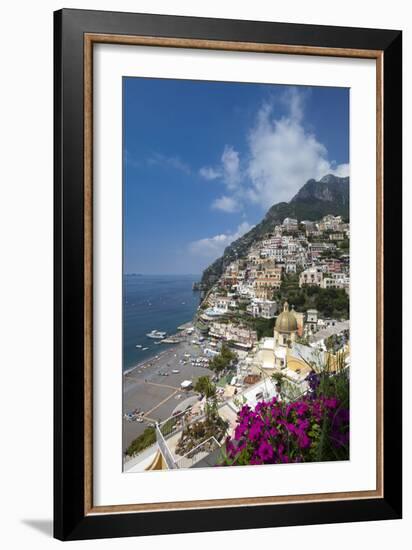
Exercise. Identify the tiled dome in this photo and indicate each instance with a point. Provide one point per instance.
(286, 321)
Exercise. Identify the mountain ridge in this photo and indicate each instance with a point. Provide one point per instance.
(315, 199)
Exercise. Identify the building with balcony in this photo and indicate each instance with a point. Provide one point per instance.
(336, 280)
(312, 276)
(290, 224)
(262, 308)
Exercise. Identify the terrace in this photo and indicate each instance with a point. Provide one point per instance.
(168, 435)
(208, 451)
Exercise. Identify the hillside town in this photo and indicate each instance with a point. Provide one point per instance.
(290, 264)
(275, 319)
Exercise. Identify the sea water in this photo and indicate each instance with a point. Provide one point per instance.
(154, 302)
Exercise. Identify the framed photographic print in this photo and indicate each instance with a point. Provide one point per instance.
(227, 274)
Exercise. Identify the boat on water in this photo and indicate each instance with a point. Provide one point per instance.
(139, 346)
(156, 334)
(144, 349)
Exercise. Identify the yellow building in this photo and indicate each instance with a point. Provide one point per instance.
(280, 352)
(286, 327)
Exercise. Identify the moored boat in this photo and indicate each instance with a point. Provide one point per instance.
(156, 334)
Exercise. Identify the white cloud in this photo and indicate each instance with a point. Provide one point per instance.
(209, 173)
(173, 162)
(342, 170)
(293, 100)
(225, 203)
(283, 155)
(213, 247)
(228, 170)
(231, 167)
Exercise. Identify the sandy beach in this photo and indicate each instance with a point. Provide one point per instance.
(154, 395)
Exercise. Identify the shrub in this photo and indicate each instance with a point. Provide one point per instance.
(147, 438)
(194, 434)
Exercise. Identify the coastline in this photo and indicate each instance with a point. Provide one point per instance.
(164, 303)
(146, 361)
(179, 335)
(154, 386)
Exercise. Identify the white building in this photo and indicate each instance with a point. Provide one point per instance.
(312, 320)
(330, 223)
(336, 280)
(235, 334)
(224, 303)
(290, 224)
(312, 276)
(262, 308)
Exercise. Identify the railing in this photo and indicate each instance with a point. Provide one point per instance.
(198, 453)
(164, 449)
(172, 426)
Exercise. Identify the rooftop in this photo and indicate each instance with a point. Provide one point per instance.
(330, 331)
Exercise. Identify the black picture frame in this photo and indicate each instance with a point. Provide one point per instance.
(70, 520)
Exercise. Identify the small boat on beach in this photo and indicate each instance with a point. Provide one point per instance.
(170, 341)
(156, 334)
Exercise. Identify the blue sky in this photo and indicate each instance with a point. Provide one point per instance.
(203, 162)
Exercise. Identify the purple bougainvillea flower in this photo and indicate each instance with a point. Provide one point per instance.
(291, 427)
(261, 405)
(240, 430)
(304, 441)
(265, 451)
(255, 431)
(273, 432)
(230, 448)
(301, 409)
(244, 411)
(302, 424)
(331, 403)
(278, 432)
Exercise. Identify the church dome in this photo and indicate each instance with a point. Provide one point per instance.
(286, 321)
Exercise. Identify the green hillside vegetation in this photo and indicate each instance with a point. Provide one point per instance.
(330, 302)
(263, 327)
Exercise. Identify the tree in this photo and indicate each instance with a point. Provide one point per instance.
(205, 386)
(344, 245)
(328, 253)
(227, 353)
(277, 377)
(218, 363)
(223, 360)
